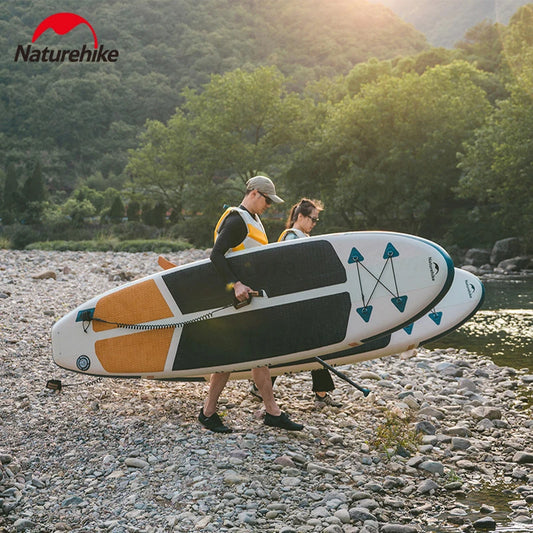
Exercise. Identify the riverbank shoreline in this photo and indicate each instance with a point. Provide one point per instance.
(129, 455)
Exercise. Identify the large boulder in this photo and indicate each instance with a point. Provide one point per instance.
(477, 257)
(515, 264)
(504, 249)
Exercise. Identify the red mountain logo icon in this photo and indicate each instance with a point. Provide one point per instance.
(62, 23)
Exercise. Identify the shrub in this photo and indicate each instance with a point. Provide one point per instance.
(20, 235)
(396, 433)
(198, 230)
(109, 245)
(134, 230)
(159, 246)
(64, 246)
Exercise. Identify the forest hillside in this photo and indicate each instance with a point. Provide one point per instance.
(336, 100)
(444, 22)
(82, 118)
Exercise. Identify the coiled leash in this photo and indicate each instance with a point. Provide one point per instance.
(88, 315)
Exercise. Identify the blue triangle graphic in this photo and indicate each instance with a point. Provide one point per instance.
(365, 312)
(436, 317)
(355, 256)
(409, 329)
(399, 302)
(390, 251)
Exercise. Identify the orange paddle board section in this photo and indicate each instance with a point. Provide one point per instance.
(141, 302)
(140, 352)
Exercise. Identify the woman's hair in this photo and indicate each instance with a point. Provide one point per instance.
(305, 207)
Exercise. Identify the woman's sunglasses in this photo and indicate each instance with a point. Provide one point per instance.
(313, 219)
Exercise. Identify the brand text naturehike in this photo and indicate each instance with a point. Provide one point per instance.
(83, 55)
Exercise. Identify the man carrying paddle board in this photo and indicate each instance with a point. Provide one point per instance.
(240, 228)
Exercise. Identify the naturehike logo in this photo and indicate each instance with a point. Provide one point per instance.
(61, 24)
(433, 268)
(470, 289)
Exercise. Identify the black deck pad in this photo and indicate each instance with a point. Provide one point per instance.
(265, 333)
(294, 268)
(376, 344)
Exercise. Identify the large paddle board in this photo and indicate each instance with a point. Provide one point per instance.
(322, 295)
(460, 303)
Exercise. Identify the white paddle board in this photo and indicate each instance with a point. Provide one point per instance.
(460, 303)
(322, 295)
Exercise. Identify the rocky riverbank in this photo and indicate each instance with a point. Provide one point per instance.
(129, 456)
(502, 260)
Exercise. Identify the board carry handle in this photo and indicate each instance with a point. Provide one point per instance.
(238, 304)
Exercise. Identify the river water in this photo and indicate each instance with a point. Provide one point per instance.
(503, 328)
(503, 331)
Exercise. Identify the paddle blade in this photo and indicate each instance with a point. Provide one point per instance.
(164, 263)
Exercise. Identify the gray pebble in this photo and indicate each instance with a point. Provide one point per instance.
(523, 457)
(486, 523)
(398, 528)
(23, 524)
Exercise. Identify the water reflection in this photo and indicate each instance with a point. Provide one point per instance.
(509, 293)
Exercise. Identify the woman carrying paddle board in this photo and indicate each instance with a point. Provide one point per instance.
(303, 217)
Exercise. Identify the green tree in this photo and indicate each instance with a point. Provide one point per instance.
(133, 211)
(146, 213)
(386, 158)
(244, 121)
(241, 124)
(78, 211)
(97, 198)
(12, 199)
(518, 48)
(34, 196)
(113, 209)
(483, 44)
(498, 171)
(367, 72)
(116, 211)
(154, 215)
(161, 166)
(498, 162)
(34, 189)
(425, 60)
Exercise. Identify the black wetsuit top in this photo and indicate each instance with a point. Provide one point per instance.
(230, 234)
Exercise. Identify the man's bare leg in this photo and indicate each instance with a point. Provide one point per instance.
(216, 386)
(263, 382)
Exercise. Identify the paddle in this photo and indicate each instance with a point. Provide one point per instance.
(366, 392)
(164, 263)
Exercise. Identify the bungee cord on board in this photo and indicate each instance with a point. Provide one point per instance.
(170, 325)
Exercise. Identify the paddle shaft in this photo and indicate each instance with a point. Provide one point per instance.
(366, 392)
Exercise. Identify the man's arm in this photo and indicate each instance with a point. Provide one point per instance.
(231, 234)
